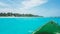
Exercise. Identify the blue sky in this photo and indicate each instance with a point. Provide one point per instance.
(45, 8)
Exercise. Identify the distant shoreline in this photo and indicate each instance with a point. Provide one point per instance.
(29, 17)
(21, 17)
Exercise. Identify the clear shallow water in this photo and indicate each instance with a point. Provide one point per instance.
(23, 25)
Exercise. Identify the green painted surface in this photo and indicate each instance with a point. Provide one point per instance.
(49, 28)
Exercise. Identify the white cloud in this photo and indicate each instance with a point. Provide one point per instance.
(6, 10)
(24, 6)
(29, 4)
(3, 4)
(32, 3)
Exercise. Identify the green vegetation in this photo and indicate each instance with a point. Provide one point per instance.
(49, 28)
(18, 15)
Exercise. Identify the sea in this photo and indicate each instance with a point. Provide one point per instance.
(23, 25)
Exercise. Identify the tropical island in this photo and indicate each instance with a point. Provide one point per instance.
(17, 15)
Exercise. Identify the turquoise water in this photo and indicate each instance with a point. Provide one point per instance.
(23, 25)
